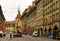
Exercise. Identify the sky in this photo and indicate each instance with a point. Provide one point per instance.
(10, 7)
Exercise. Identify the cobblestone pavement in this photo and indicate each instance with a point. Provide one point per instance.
(27, 38)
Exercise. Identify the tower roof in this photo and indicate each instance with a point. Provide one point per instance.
(18, 15)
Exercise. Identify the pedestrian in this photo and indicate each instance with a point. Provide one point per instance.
(41, 31)
(55, 29)
(10, 36)
(38, 32)
(50, 31)
(45, 31)
(18, 31)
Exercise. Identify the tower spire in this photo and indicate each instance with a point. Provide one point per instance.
(18, 9)
(18, 15)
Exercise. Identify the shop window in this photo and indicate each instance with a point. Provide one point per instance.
(57, 16)
(51, 0)
(53, 6)
(50, 8)
(45, 1)
(57, 4)
(53, 18)
(46, 11)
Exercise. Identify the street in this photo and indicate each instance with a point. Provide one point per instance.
(26, 38)
(32, 17)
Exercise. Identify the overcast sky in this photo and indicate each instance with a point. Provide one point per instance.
(10, 7)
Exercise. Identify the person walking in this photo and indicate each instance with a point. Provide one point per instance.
(45, 30)
(55, 29)
(50, 31)
(41, 31)
(10, 36)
